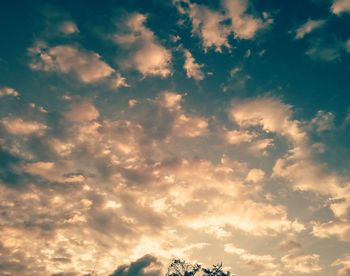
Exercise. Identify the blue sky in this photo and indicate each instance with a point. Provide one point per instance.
(134, 132)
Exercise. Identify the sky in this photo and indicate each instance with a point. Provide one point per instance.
(133, 132)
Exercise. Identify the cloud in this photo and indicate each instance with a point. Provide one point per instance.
(302, 263)
(329, 229)
(193, 69)
(119, 81)
(271, 273)
(146, 54)
(68, 27)
(182, 124)
(82, 111)
(269, 113)
(261, 146)
(51, 172)
(322, 51)
(147, 265)
(255, 175)
(323, 121)
(235, 137)
(289, 244)
(237, 81)
(209, 26)
(8, 91)
(215, 27)
(308, 27)
(18, 126)
(170, 100)
(135, 186)
(340, 6)
(257, 219)
(305, 174)
(344, 262)
(347, 45)
(190, 126)
(243, 26)
(87, 66)
(254, 262)
(297, 166)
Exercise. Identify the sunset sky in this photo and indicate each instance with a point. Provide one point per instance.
(133, 132)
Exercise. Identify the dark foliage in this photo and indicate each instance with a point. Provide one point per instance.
(181, 268)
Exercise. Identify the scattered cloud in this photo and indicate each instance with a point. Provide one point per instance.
(87, 66)
(255, 175)
(243, 26)
(254, 262)
(340, 6)
(322, 51)
(209, 26)
(8, 91)
(145, 53)
(215, 27)
(308, 27)
(92, 181)
(68, 27)
(302, 263)
(323, 121)
(344, 263)
(326, 230)
(193, 69)
(18, 126)
(82, 111)
(289, 244)
(235, 137)
(269, 113)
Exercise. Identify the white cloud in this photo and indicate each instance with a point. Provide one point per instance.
(302, 263)
(62, 148)
(243, 26)
(255, 175)
(323, 121)
(289, 244)
(170, 100)
(215, 27)
(86, 65)
(271, 273)
(209, 26)
(258, 219)
(147, 55)
(18, 126)
(82, 111)
(8, 91)
(190, 126)
(340, 6)
(235, 137)
(193, 69)
(254, 262)
(269, 113)
(119, 81)
(329, 229)
(297, 166)
(308, 27)
(261, 146)
(344, 262)
(52, 172)
(68, 27)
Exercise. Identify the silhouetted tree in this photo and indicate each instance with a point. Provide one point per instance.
(215, 271)
(180, 267)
